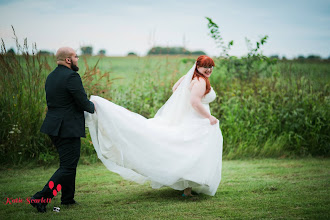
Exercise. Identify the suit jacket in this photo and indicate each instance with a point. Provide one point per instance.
(66, 102)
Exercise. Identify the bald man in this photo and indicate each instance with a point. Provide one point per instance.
(65, 125)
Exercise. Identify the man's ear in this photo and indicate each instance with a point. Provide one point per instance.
(68, 60)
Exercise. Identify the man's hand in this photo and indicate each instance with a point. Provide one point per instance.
(94, 105)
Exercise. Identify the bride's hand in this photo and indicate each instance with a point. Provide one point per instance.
(213, 120)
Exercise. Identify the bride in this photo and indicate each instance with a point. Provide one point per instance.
(181, 147)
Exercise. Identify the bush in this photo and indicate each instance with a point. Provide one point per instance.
(22, 104)
(274, 114)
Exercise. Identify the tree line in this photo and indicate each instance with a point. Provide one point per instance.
(88, 51)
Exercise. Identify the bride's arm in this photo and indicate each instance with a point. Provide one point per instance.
(177, 83)
(197, 92)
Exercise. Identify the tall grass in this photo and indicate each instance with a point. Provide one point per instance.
(274, 113)
(22, 104)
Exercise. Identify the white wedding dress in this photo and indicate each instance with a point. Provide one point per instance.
(177, 148)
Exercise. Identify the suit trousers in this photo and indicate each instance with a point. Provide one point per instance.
(69, 154)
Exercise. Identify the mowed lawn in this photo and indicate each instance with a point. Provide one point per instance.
(250, 189)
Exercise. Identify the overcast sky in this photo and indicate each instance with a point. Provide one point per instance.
(294, 27)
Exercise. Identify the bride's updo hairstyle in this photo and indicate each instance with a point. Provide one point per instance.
(203, 61)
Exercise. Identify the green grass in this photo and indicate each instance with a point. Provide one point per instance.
(250, 189)
(128, 68)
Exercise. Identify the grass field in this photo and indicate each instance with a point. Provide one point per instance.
(250, 189)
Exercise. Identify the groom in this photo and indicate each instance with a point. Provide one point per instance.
(65, 124)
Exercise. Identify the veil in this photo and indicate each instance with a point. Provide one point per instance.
(177, 106)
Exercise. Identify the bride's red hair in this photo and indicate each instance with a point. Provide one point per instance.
(201, 62)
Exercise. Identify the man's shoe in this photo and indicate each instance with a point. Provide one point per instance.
(41, 207)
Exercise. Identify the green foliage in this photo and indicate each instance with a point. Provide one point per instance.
(86, 50)
(198, 53)
(173, 51)
(314, 57)
(131, 54)
(267, 110)
(45, 53)
(275, 56)
(273, 116)
(22, 104)
(101, 52)
(11, 51)
(215, 34)
(310, 58)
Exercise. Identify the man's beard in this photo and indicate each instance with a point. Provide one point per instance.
(74, 67)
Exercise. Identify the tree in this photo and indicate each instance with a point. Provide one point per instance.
(173, 51)
(101, 52)
(86, 50)
(314, 57)
(45, 52)
(131, 54)
(274, 56)
(198, 53)
(11, 51)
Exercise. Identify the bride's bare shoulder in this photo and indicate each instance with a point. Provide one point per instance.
(200, 81)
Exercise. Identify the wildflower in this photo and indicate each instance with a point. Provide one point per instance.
(11, 132)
